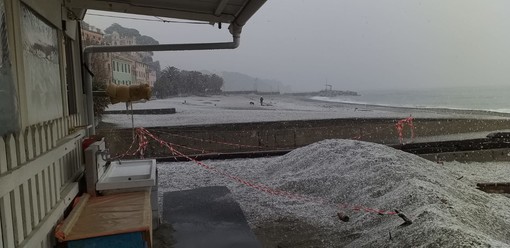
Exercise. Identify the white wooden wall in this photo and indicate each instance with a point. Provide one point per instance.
(38, 170)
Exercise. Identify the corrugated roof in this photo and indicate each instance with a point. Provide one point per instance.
(214, 11)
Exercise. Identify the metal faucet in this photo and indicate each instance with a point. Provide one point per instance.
(105, 154)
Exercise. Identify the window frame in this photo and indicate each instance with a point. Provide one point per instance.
(52, 18)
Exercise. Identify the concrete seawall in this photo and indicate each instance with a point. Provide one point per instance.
(263, 136)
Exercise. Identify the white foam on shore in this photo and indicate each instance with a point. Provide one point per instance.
(338, 100)
(446, 211)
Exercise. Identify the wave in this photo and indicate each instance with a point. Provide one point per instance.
(328, 99)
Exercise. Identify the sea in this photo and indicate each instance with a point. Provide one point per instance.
(489, 98)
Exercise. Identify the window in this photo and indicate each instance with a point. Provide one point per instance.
(9, 120)
(41, 67)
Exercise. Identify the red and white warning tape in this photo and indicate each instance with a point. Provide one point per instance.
(142, 132)
(400, 128)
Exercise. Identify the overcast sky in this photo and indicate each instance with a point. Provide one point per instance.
(353, 44)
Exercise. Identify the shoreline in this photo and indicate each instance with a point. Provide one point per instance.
(432, 109)
(221, 109)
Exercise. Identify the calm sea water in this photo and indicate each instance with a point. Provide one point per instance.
(473, 98)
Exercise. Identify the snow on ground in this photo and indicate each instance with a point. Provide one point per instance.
(237, 109)
(446, 209)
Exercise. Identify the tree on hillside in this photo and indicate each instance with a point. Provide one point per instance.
(173, 81)
(121, 30)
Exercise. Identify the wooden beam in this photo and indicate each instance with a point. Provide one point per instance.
(221, 7)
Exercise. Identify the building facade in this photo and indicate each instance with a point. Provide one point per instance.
(121, 68)
(122, 72)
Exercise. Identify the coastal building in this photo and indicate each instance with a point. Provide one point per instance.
(123, 68)
(141, 73)
(122, 72)
(152, 78)
(95, 35)
(117, 39)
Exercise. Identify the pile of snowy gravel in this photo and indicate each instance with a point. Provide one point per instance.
(446, 211)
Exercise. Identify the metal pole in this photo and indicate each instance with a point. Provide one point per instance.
(89, 97)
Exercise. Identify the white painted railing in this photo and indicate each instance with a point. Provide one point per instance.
(38, 170)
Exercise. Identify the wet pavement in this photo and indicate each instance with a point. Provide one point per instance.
(203, 217)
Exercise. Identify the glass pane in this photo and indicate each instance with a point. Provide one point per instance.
(9, 121)
(42, 70)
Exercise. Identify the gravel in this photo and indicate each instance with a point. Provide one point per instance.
(446, 211)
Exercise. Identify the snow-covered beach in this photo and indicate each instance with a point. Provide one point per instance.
(220, 109)
(441, 199)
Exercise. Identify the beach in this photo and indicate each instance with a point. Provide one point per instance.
(305, 189)
(441, 199)
(221, 109)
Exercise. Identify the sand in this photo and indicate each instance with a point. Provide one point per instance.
(446, 211)
(220, 109)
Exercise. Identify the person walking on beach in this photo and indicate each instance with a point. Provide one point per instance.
(261, 101)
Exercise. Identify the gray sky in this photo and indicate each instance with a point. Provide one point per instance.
(353, 44)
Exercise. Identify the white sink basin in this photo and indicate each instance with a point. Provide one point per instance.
(128, 174)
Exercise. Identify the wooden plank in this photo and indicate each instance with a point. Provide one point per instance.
(76, 161)
(47, 133)
(61, 171)
(11, 150)
(21, 148)
(29, 142)
(1, 234)
(7, 223)
(37, 141)
(52, 218)
(34, 201)
(27, 207)
(47, 191)
(44, 142)
(3, 156)
(61, 127)
(56, 176)
(65, 168)
(69, 223)
(23, 173)
(57, 127)
(53, 187)
(73, 121)
(19, 235)
(65, 127)
(54, 135)
(41, 203)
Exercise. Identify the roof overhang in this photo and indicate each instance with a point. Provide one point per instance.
(235, 12)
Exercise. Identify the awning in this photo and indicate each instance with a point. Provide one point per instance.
(234, 12)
